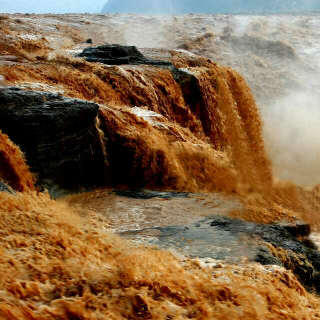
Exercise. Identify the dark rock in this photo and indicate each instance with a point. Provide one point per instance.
(5, 188)
(299, 229)
(310, 243)
(89, 41)
(148, 194)
(228, 239)
(115, 54)
(193, 97)
(57, 135)
(265, 257)
(189, 84)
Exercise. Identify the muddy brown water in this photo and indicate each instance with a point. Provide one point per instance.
(176, 221)
(125, 213)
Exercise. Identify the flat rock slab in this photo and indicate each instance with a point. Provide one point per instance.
(149, 194)
(115, 54)
(233, 240)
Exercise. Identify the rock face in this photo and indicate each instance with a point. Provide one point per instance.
(114, 54)
(57, 135)
(206, 6)
(4, 188)
(228, 239)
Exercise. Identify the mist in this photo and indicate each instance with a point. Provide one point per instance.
(291, 132)
(156, 6)
(291, 124)
(208, 6)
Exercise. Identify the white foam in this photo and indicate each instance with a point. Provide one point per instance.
(29, 36)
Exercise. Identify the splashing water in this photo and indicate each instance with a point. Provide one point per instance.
(13, 166)
(62, 260)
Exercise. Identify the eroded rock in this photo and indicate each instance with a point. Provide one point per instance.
(115, 54)
(223, 238)
(57, 135)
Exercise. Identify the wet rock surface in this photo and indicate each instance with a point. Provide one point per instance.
(115, 54)
(5, 188)
(57, 135)
(232, 240)
(149, 194)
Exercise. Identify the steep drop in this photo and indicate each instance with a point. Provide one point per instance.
(205, 133)
(207, 103)
(13, 168)
(192, 128)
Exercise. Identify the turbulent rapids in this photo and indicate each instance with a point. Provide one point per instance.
(147, 143)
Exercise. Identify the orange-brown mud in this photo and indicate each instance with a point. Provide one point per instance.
(59, 262)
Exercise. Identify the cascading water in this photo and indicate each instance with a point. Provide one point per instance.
(196, 128)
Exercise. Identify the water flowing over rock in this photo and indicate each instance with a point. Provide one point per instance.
(178, 137)
(58, 136)
(13, 168)
(195, 142)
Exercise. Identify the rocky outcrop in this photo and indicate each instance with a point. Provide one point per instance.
(149, 194)
(194, 93)
(232, 240)
(58, 136)
(114, 54)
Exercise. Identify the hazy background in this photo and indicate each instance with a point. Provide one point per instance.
(155, 6)
(209, 6)
(53, 6)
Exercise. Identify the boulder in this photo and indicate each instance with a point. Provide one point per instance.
(115, 54)
(58, 136)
